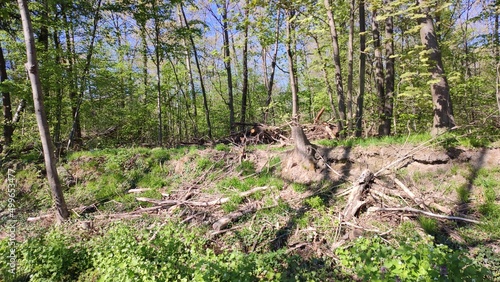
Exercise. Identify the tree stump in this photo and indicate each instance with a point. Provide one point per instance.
(305, 163)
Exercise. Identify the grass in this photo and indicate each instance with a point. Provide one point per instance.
(105, 176)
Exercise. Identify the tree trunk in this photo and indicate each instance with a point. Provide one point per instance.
(329, 88)
(273, 68)
(350, 66)
(158, 82)
(227, 65)
(389, 74)
(59, 91)
(48, 148)
(497, 55)
(76, 131)
(338, 69)
(379, 72)
(8, 128)
(192, 89)
(200, 74)
(362, 67)
(440, 90)
(292, 68)
(244, 88)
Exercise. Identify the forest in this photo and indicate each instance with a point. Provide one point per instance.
(250, 140)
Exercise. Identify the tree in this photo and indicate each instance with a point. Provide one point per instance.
(43, 127)
(244, 90)
(379, 69)
(362, 66)
(389, 74)
(200, 74)
(292, 65)
(338, 68)
(8, 129)
(440, 90)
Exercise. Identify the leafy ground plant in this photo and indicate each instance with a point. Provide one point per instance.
(416, 259)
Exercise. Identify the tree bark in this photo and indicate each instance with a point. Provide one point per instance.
(200, 74)
(227, 64)
(350, 66)
(76, 131)
(244, 88)
(338, 69)
(362, 68)
(8, 128)
(440, 90)
(379, 72)
(497, 55)
(43, 127)
(273, 68)
(389, 74)
(158, 79)
(292, 68)
(329, 88)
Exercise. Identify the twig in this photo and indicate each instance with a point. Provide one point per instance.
(138, 190)
(412, 210)
(199, 204)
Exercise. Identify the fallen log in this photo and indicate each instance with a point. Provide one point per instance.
(223, 222)
(412, 210)
(354, 203)
(219, 201)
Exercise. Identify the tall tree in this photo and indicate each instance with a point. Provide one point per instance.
(350, 64)
(227, 63)
(8, 128)
(244, 87)
(43, 127)
(362, 67)
(496, 49)
(200, 74)
(440, 90)
(270, 82)
(379, 69)
(389, 73)
(76, 131)
(338, 68)
(292, 65)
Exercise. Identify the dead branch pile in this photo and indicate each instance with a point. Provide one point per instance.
(256, 133)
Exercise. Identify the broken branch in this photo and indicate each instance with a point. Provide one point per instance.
(412, 210)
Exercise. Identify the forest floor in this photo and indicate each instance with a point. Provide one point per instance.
(249, 199)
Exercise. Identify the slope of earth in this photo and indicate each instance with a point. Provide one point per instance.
(250, 200)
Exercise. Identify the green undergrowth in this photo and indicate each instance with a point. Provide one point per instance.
(148, 251)
(170, 252)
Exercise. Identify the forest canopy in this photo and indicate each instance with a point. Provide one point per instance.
(167, 72)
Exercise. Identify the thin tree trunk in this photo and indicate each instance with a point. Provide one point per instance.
(227, 65)
(244, 89)
(350, 66)
(362, 68)
(338, 69)
(48, 148)
(440, 90)
(144, 61)
(497, 54)
(202, 85)
(379, 72)
(290, 51)
(329, 88)
(8, 128)
(389, 74)
(76, 129)
(192, 89)
(158, 81)
(273, 67)
(59, 91)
